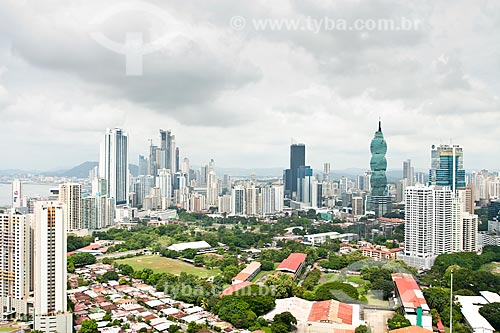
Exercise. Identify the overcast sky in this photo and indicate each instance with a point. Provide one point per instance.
(240, 95)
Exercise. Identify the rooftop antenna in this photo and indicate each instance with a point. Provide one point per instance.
(379, 124)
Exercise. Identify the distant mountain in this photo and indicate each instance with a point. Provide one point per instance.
(79, 171)
(15, 172)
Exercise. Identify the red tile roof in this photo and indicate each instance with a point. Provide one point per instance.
(235, 287)
(409, 291)
(332, 311)
(248, 271)
(411, 329)
(293, 262)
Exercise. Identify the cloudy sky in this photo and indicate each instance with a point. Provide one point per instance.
(236, 92)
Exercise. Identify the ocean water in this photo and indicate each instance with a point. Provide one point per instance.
(28, 189)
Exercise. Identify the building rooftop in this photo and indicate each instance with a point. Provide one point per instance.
(411, 329)
(409, 291)
(189, 245)
(235, 287)
(470, 310)
(331, 311)
(247, 271)
(293, 262)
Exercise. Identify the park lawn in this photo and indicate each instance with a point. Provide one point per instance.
(7, 329)
(331, 277)
(492, 267)
(167, 265)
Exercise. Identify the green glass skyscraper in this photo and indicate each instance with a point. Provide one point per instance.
(378, 163)
(378, 201)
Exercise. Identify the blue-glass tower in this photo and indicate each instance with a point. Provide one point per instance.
(447, 166)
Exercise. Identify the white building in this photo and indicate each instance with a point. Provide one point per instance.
(17, 193)
(113, 164)
(71, 195)
(320, 238)
(470, 306)
(470, 224)
(435, 224)
(50, 264)
(164, 182)
(212, 189)
(15, 263)
(97, 212)
(224, 205)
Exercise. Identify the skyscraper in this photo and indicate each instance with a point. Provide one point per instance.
(16, 246)
(408, 172)
(447, 166)
(297, 159)
(50, 264)
(164, 182)
(238, 202)
(143, 165)
(113, 164)
(379, 201)
(71, 195)
(378, 163)
(435, 224)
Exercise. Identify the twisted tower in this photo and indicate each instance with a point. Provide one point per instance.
(378, 163)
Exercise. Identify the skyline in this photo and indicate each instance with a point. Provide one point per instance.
(237, 87)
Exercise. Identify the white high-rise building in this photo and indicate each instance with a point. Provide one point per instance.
(268, 200)
(71, 195)
(224, 205)
(279, 195)
(470, 224)
(251, 200)
(97, 212)
(238, 203)
(212, 185)
(164, 182)
(50, 269)
(435, 224)
(15, 262)
(17, 193)
(113, 164)
(419, 227)
(185, 165)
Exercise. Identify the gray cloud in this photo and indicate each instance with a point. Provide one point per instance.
(239, 96)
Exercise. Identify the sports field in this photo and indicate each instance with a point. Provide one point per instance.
(166, 265)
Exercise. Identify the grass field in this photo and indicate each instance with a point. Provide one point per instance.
(166, 265)
(361, 286)
(493, 267)
(6, 329)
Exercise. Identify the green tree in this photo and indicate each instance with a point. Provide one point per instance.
(283, 320)
(397, 321)
(491, 312)
(110, 275)
(336, 290)
(267, 265)
(387, 287)
(89, 326)
(173, 329)
(283, 285)
(362, 329)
